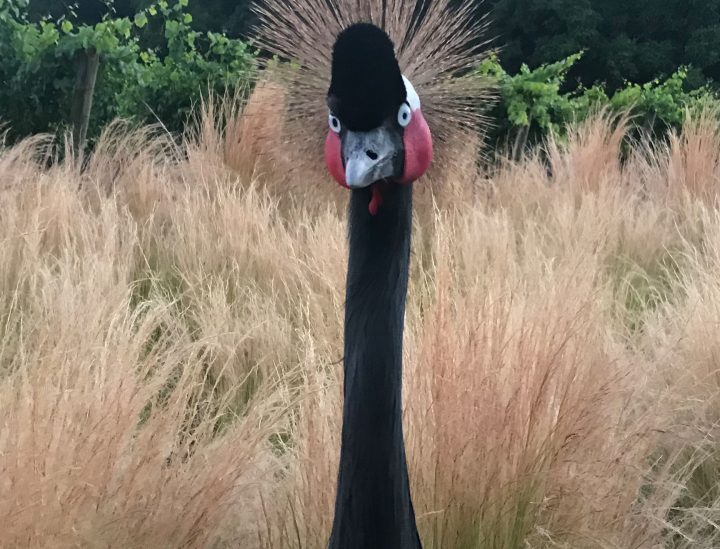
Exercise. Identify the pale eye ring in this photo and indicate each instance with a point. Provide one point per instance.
(334, 123)
(404, 115)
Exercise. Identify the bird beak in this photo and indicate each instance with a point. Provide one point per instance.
(371, 156)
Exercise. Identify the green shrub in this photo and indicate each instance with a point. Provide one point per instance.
(139, 83)
(533, 103)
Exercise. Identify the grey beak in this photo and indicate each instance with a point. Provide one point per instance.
(371, 156)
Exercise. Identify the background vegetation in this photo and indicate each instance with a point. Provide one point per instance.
(634, 42)
(157, 80)
(559, 60)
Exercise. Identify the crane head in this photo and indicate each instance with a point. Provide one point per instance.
(377, 132)
(355, 78)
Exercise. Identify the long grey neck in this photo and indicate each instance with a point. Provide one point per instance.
(373, 508)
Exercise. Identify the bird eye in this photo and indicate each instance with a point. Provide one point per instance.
(404, 115)
(334, 123)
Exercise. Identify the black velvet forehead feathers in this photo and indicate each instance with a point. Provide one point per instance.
(366, 83)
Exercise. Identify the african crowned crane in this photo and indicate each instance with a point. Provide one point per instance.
(377, 142)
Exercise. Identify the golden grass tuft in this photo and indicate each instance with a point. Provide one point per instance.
(171, 324)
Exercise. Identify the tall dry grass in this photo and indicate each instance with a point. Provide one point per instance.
(170, 343)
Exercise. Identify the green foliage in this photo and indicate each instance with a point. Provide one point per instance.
(192, 63)
(662, 103)
(533, 102)
(533, 98)
(625, 41)
(136, 82)
(155, 65)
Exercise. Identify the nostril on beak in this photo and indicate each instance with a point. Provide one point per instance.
(372, 155)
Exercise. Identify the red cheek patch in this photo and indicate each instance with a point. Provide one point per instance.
(418, 148)
(333, 158)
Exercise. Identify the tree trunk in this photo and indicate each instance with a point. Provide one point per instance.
(86, 69)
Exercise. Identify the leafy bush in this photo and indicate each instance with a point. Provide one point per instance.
(532, 102)
(136, 82)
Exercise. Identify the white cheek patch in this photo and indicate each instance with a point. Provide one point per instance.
(413, 98)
